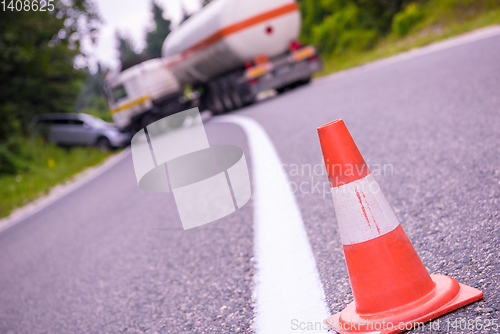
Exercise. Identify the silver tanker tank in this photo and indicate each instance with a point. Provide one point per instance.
(226, 33)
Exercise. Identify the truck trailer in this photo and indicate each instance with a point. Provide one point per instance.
(226, 54)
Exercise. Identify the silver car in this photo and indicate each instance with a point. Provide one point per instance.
(73, 129)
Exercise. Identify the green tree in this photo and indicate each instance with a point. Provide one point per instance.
(37, 54)
(313, 13)
(156, 36)
(93, 86)
(126, 53)
(337, 26)
(92, 98)
(185, 14)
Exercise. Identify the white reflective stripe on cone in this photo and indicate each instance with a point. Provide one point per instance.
(362, 211)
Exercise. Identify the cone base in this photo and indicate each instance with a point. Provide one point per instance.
(447, 296)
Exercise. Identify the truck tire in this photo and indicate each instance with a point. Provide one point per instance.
(147, 119)
(235, 94)
(303, 82)
(225, 94)
(294, 85)
(281, 90)
(214, 101)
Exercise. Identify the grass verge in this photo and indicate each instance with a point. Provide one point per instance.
(46, 165)
(392, 45)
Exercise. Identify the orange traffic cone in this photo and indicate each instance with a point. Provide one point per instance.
(391, 287)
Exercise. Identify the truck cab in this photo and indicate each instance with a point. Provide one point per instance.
(142, 94)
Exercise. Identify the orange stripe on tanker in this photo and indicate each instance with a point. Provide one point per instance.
(231, 29)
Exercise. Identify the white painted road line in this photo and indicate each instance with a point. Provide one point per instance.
(288, 290)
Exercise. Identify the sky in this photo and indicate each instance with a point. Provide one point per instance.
(132, 18)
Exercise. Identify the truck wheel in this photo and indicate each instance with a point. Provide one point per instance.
(148, 119)
(217, 108)
(281, 90)
(209, 103)
(215, 104)
(235, 94)
(303, 82)
(225, 94)
(294, 85)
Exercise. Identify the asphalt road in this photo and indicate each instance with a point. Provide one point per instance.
(110, 258)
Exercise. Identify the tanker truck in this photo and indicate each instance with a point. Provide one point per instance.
(226, 54)
(142, 94)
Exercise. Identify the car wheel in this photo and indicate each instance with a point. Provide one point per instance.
(103, 144)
